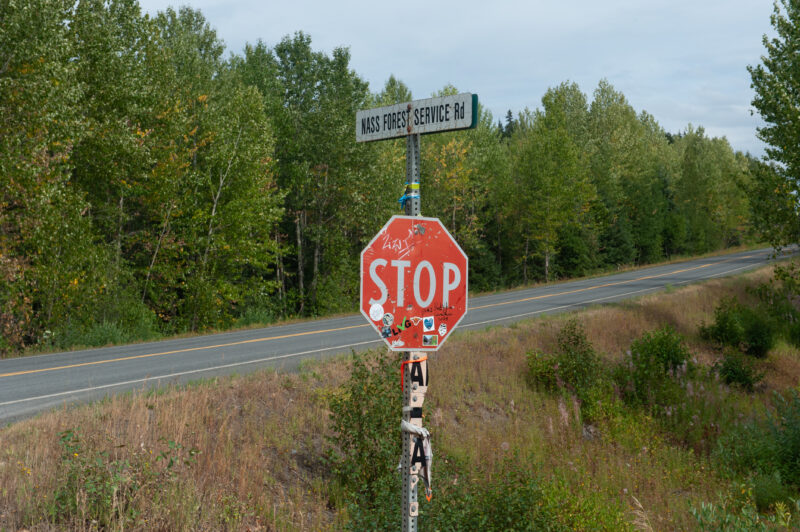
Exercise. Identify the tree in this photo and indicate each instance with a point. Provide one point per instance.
(47, 257)
(326, 176)
(777, 86)
(553, 189)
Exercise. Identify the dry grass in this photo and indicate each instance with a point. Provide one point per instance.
(262, 437)
(260, 464)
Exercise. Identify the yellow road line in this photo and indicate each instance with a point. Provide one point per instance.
(256, 340)
(595, 287)
(123, 359)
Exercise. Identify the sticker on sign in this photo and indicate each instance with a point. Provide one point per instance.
(446, 113)
(414, 283)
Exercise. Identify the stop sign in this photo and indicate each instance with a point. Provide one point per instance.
(413, 283)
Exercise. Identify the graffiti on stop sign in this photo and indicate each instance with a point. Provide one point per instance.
(413, 283)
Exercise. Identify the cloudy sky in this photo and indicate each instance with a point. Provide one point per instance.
(683, 61)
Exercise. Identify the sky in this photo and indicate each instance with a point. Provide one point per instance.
(683, 61)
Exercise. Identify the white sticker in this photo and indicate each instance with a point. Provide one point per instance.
(442, 329)
(376, 312)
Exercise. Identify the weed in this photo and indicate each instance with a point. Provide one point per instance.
(364, 418)
(769, 490)
(511, 500)
(737, 512)
(575, 368)
(93, 487)
(784, 429)
(658, 361)
(727, 329)
(738, 369)
(749, 329)
(767, 446)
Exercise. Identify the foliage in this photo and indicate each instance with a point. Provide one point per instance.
(658, 361)
(783, 428)
(769, 490)
(738, 369)
(768, 446)
(738, 512)
(366, 436)
(779, 297)
(775, 82)
(547, 167)
(741, 327)
(511, 500)
(574, 369)
(96, 488)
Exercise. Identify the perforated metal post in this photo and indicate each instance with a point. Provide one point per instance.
(410, 505)
(412, 176)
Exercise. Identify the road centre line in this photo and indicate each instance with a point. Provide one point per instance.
(188, 349)
(617, 283)
(294, 335)
(586, 303)
(183, 373)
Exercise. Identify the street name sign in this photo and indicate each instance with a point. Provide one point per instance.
(433, 115)
(413, 283)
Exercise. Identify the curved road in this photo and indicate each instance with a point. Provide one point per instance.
(32, 384)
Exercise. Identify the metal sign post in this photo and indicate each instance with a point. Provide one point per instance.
(410, 120)
(410, 505)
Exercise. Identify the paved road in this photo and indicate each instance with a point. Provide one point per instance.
(33, 384)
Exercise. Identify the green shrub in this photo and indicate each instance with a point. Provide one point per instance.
(90, 485)
(738, 369)
(366, 448)
(767, 445)
(658, 360)
(255, 316)
(727, 328)
(742, 516)
(769, 490)
(574, 368)
(793, 333)
(512, 500)
(779, 298)
(759, 332)
(94, 488)
(749, 329)
(365, 419)
(745, 448)
(783, 428)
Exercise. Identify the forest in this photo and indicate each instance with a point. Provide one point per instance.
(154, 183)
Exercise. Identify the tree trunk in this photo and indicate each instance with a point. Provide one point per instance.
(315, 272)
(546, 263)
(281, 274)
(299, 222)
(164, 230)
(499, 249)
(223, 177)
(525, 262)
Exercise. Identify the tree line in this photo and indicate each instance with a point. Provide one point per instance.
(150, 184)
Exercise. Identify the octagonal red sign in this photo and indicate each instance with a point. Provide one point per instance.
(413, 283)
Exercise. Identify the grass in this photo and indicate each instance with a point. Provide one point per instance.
(249, 452)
